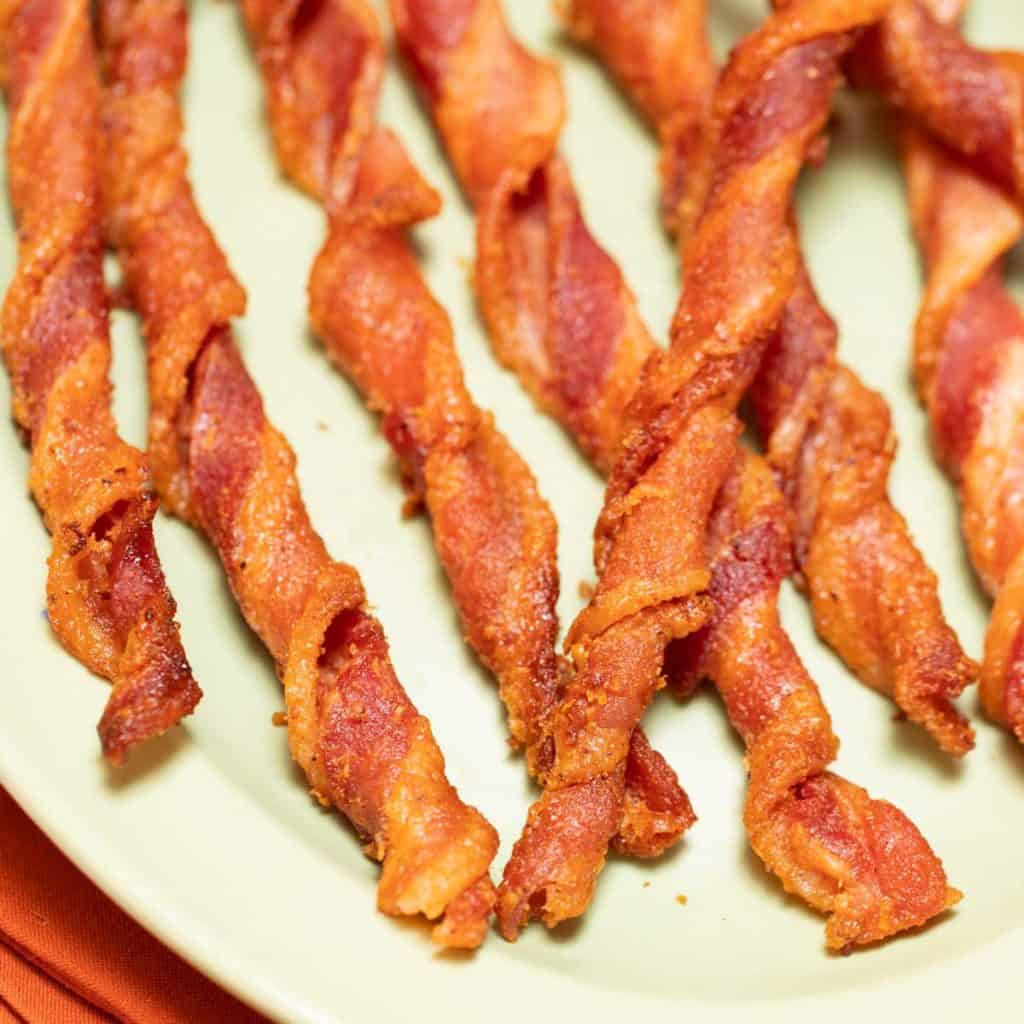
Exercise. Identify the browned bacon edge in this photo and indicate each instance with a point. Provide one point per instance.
(106, 596)
(828, 436)
(538, 267)
(962, 126)
(351, 726)
(494, 532)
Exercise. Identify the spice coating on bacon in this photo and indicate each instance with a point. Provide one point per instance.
(969, 339)
(351, 726)
(107, 600)
(650, 544)
(829, 437)
(495, 534)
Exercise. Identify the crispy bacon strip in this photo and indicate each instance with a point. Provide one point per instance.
(538, 267)
(351, 726)
(107, 599)
(828, 436)
(827, 840)
(494, 532)
(969, 343)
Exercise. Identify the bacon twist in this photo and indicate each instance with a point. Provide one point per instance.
(537, 268)
(825, 838)
(963, 135)
(828, 436)
(495, 534)
(107, 599)
(351, 726)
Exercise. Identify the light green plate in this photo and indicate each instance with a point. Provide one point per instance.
(209, 837)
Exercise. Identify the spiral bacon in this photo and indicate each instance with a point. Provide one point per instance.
(351, 726)
(107, 599)
(969, 344)
(538, 267)
(823, 836)
(495, 534)
(828, 436)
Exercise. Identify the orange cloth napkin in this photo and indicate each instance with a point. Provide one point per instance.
(70, 956)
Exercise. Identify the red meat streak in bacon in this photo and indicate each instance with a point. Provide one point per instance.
(351, 727)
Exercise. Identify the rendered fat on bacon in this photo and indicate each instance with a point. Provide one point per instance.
(495, 534)
(534, 248)
(107, 600)
(351, 726)
(829, 437)
(962, 126)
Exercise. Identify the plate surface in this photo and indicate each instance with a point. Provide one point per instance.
(209, 837)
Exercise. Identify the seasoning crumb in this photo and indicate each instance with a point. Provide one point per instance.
(279, 718)
(647, 885)
(586, 590)
(681, 899)
(322, 426)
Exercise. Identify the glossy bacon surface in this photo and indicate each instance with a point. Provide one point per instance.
(561, 316)
(107, 600)
(351, 726)
(969, 344)
(828, 436)
(495, 534)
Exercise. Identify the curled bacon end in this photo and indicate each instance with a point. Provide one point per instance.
(107, 599)
(352, 728)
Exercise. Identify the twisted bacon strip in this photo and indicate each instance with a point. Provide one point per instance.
(106, 596)
(351, 726)
(828, 436)
(969, 345)
(825, 838)
(538, 266)
(495, 534)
